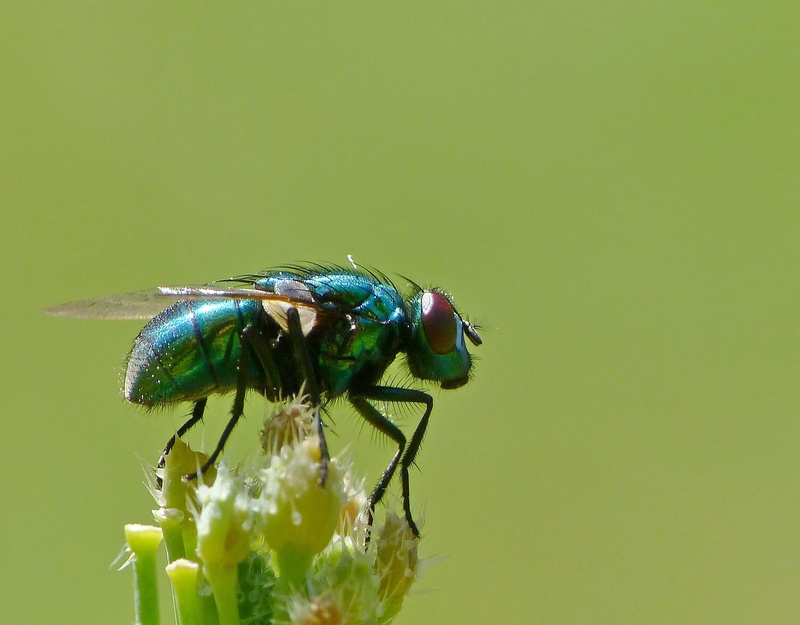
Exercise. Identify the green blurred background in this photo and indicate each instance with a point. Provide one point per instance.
(609, 188)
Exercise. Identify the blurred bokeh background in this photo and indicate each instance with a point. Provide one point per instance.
(611, 189)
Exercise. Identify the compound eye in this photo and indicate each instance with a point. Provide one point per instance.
(439, 322)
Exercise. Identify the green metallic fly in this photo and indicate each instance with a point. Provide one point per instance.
(329, 331)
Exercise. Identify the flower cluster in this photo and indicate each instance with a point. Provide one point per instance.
(270, 544)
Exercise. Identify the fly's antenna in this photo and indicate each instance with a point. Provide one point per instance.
(471, 330)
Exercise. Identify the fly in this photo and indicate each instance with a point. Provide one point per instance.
(327, 330)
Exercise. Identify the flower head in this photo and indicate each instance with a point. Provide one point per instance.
(225, 521)
(396, 563)
(299, 515)
(290, 422)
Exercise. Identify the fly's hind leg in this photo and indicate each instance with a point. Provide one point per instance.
(236, 412)
(251, 337)
(197, 415)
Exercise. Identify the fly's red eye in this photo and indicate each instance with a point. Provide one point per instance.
(439, 322)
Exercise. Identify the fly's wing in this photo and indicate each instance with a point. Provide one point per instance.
(287, 294)
(139, 305)
(147, 304)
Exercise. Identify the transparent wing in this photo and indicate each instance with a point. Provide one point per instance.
(139, 305)
(147, 304)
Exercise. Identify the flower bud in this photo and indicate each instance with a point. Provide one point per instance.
(289, 423)
(225, 521)
(396, 563)
(299, 516)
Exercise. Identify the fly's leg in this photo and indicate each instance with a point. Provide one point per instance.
(236, 412)
(250, 336)
(197, 415)
(384, 425)
(303, 359)
(263, 353)
(411, 452)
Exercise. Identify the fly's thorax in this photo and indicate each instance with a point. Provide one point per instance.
(385, 304)
(436, 349)
(356, 351)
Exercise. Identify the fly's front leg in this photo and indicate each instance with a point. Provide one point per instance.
(303, 358)
(411, 453)
(383, 424)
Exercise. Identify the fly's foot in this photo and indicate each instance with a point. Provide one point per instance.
(323, 470)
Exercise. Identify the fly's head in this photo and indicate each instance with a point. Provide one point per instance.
(437, 350)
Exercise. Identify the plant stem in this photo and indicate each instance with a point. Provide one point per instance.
(183, 574)
(143, 541)
(224, 583)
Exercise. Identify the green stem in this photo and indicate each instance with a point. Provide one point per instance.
(143, 541)
(183, 574)
(224, 583)
(171, 521)
(189, 533)
(293, 564)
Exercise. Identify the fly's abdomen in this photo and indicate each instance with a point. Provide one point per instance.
(190, 351)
